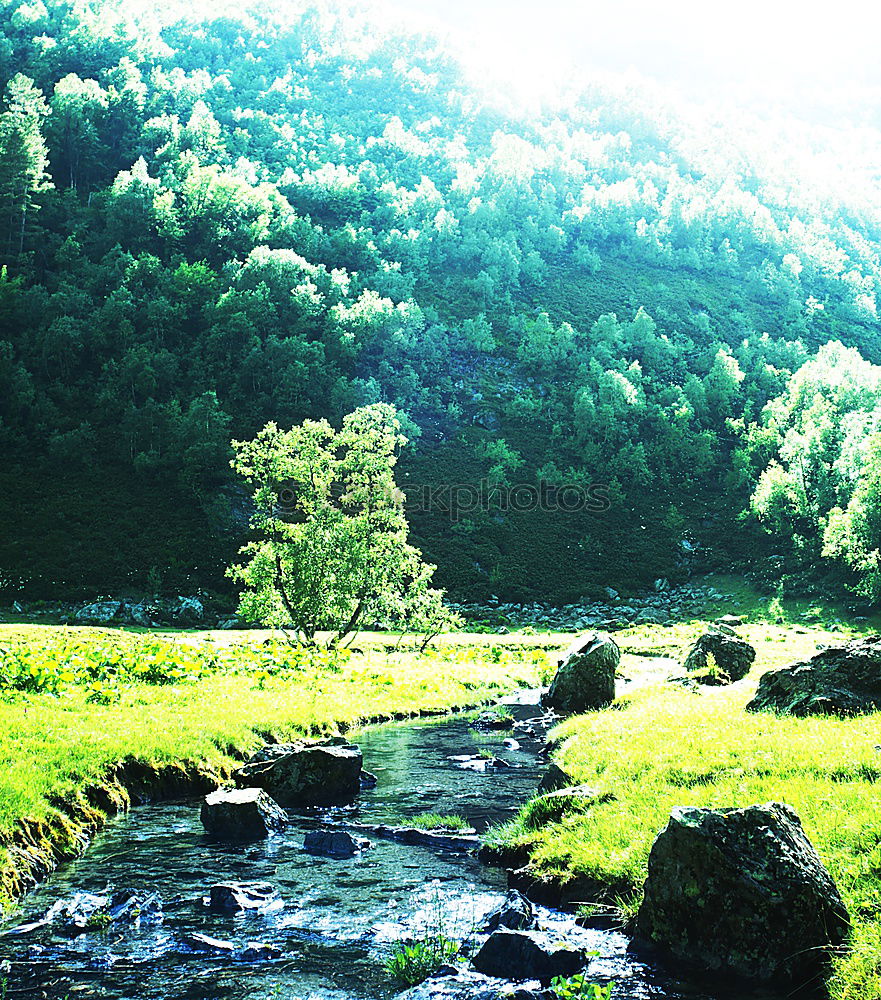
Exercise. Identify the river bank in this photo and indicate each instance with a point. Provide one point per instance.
(92, 720)
(667, 744)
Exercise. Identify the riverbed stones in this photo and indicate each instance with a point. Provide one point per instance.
(241, 814)
(238, 897)
(515, 913)
(732, 657)
(840, 680)
(334, 843)
(585, 678)
(207, 945)
(521, 955)
(742, 892)
(256, 951)
(303, 773)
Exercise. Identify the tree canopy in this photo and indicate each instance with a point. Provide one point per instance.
(215, 221)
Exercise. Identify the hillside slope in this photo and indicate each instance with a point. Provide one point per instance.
(208, 226)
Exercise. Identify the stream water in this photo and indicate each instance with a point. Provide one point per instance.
(332, 920)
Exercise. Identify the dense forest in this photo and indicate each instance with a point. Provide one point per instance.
(205, 226)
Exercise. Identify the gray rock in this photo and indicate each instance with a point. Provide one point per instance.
(97, 613)
(733, 657)
(730, 620)
(840, 680)
(521, 955)
(188, 611)
(304, 773)
(208, 945)
(555, 777)
(236, 897)
(335, 843)
(515, 914)
(254, 951)
(647, 618)
(241, 814)
(742, 892)
(585, 678)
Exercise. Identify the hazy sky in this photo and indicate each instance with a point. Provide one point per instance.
(799, 54)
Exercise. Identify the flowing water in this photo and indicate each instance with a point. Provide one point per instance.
(332, 920)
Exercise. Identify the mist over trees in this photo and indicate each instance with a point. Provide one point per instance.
(291, 214)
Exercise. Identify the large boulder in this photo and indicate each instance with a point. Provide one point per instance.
(733, 657)
(585, 677)
(304, 773)
(841, 680)
(515, 913)
(521, 955)
(741, 892)
(241, 814)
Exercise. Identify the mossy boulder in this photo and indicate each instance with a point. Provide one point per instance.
(742, 892)
(732, 657)
(585, 677)
(841, 680)
(303, 773)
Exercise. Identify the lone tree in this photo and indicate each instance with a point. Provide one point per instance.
(331, 550)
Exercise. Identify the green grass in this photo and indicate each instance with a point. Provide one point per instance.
(412, 962)
(440, 821)
(65, 737)
(664, 746)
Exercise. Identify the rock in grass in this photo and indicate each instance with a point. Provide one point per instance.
(742, 892)
(334, 843)
(733, 657)
(241, 814)
(521, 955)
(585, 678)
(731, 621)
(515, 914)
(303, 773)
(555, 777)
(840, 680)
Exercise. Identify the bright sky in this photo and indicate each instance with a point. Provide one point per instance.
(804, 54)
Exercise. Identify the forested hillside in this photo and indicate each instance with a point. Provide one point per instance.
(206, 226)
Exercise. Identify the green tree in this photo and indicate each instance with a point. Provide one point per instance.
(331, 551)
(23, 156)
(78, 110)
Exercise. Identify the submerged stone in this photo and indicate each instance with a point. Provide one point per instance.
(255, 951)
(335, 843)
